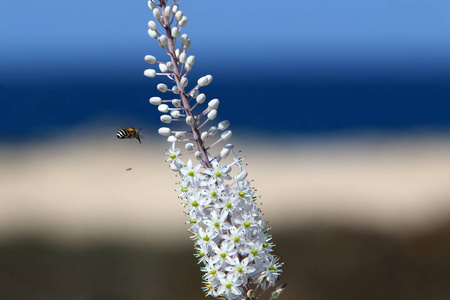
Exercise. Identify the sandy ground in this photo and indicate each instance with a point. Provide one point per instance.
(76, 191)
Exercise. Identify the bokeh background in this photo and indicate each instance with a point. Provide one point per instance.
(341, 108)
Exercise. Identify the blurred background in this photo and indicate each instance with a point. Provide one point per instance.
(341, 108)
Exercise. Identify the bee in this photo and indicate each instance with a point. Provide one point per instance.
(129, 133)
(128, 169)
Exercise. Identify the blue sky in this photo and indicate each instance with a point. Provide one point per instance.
(113, 32)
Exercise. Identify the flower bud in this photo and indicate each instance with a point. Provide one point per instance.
(202, 81)
(164, 108)
(189, 146)
(210, 78)
(166, 118)
(191, 60)
(182, 57)
(241, 176)
(177, 52)
(150, 59)
(150, 73)
(184, 39)
(212, 114)
(212, 130)
(172, 139)
(179, 15)
(190, 120)
(152, 34)
(170, 66)
(161, 87)
(223, 125)
(187, 45)
(187, 67)
(198, 155)
(183, 21)
(195, 93)
(229, 146)
(224, 153)
(176, 102)
(213, 104)
(164, 131)
(175, 8)
(200, 98)
(226, 135)
(155, 100)
(168, 11)
(163, 40)
(175, 114)
(180, 135)
(151, 5)
(175, 32)
(163, 68)
(156, 13)
(152, 25)
(184, 82)
(175, 90)
(204, 135)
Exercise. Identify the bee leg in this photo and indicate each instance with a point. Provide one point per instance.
(139, 139)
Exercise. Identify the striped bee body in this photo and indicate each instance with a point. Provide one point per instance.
(129, 133)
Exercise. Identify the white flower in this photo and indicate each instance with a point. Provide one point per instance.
(229, 286)
(240, 268)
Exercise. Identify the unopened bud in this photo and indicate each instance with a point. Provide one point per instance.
(204, 136)
(184, 39)
(189, 120)
(172, 139)
(180, 135)
(150, 73)
(226, 135)
(200, 98)
(212, 114)
(179, 15)
(212, 130)
(183, 21)
(175, 90)
(152, 25)
(170, 66)
(182, 57)
(198, 155)
(164, 131)
(213, 104)
(202, 81)
(156, 13)
(166, 119)
(152, 34)
(168, 11)
(210, 78)
(195, 93)
(189, 146)
(163, 40)
(155, 100)
(191, 60)
(161, 87)
(226, 169)
(229, 146)
(163, 68)
(150, 59)
(175, 8)
(164, 108)
(184, 82)
(187, 45)
(151, 5)
(175, 114)
(224, 153)
(223, 125)
(176, 102)
(175, 32)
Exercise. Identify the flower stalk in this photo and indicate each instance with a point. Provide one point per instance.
(232, 241)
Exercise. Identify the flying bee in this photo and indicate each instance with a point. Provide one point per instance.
(129, 133)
